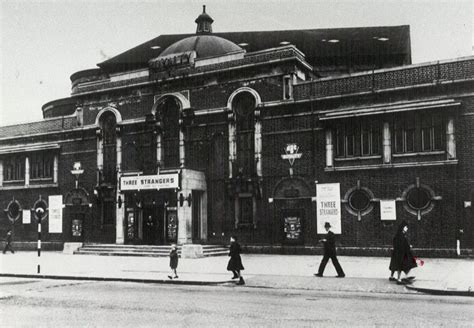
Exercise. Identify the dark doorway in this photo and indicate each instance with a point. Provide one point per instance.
(153, 225)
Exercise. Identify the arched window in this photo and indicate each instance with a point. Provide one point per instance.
(243, 106)
(108, 124)
(168, 113)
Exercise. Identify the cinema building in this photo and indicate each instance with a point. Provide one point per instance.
(193, 138)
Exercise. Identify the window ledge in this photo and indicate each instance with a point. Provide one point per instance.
(357, 158)
(41, 179)
(424, 153)
(12, 182)
(391, 166)
(36, 186)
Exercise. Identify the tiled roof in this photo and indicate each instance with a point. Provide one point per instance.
(360, 40)
(46, 126)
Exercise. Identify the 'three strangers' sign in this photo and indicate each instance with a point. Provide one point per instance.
(328, 207)
(143, 182)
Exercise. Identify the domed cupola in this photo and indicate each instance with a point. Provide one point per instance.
(201, 49)
(204, 22)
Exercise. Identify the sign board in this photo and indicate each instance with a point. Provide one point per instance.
(328, 207)
(388, 210)
(291, 153)
(147, 182)
(55, 210)
(26, 216)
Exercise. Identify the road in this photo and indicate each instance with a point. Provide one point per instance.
(59, 303)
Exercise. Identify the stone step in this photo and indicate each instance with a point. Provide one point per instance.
(144, 250)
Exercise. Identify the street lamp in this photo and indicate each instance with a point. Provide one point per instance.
(77, 171)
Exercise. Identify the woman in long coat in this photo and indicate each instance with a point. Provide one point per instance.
(402, 257)
(235, 261)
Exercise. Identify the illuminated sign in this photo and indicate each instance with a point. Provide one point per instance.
(147, 182)
(173, 60)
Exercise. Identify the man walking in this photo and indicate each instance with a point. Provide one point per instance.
(8, 243)
(329, 253)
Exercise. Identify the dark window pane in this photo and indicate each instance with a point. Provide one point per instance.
(365, 141)
(398, 139)
(359, 200)
(426, 139)
(410, 140)
(375, 149)
(439, 136)
(168, 111)
(418, 198)
(340, 143)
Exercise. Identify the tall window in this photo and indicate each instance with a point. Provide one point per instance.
(109, 140)
(432, 133)
(419, 132)
(358, 138)
(14, 168)
(168, 113)
(244, 108)
(41, 165)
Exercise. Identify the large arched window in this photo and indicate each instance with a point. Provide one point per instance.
(108, 124)
(168, 113)
(243, 106)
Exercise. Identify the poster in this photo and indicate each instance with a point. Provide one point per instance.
(388, 210)
(55, 214)
(26, 216)
(328, 207)
(292, 228)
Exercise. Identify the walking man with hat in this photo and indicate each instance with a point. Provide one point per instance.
(329, 253)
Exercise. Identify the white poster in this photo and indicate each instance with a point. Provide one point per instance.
(388, 210)
(26, 216)
(55, 216)
(328, 207)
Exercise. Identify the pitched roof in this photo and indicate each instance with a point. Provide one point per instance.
(313, 43)
(45, 126)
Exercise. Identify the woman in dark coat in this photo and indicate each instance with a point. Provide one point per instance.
(235, 261)
(402, 257)
(173, 261)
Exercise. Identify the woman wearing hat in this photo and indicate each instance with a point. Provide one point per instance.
(402, 257)
(329, 253)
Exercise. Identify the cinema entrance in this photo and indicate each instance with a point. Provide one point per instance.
(165, 208)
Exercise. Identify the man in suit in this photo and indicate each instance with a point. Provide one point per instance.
(329, 253)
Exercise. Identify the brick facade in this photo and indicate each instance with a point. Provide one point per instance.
(208, 127)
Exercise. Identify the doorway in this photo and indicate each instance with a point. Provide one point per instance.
(153, 225)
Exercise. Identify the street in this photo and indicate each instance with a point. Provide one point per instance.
(66, 303)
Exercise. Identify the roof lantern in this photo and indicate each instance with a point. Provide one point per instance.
(204, 22)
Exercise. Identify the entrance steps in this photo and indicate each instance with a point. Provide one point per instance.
(143, 250)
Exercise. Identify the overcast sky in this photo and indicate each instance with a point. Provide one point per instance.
(44, 42)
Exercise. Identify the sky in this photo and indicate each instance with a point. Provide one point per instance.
(43, 42)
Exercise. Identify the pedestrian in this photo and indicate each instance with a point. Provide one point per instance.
(402, 257)
(329, 253)
(173, 261)
(8, 242)
(235, 261)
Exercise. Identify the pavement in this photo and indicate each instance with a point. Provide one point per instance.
(363, 274)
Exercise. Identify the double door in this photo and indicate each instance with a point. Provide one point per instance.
(151, 225)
